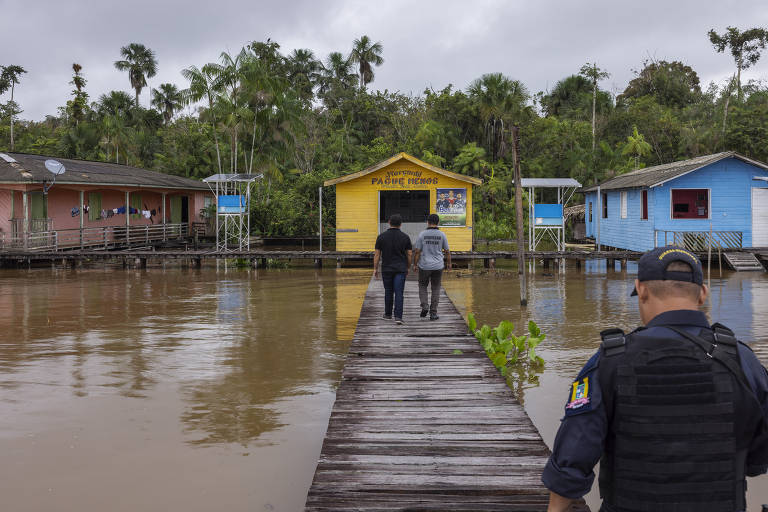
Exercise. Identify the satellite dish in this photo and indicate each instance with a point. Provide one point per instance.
(55, 167)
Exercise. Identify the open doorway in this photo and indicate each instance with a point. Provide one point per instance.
(184, 209)
(412, 205)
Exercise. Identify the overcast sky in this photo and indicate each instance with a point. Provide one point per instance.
(426, 43)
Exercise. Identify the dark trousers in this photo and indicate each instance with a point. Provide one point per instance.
(394, 284)
(436, 277)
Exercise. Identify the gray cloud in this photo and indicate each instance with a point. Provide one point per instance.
(426, 43)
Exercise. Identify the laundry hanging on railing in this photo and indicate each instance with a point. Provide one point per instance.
(75, 211)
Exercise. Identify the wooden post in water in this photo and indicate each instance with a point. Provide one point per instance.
(720, 261)
(519, 211)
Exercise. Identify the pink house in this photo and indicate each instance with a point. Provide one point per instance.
(93, 204)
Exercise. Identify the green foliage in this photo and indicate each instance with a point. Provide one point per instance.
(506, 351)
(300, 118)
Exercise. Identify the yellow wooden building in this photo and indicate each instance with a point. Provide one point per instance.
(402, 184)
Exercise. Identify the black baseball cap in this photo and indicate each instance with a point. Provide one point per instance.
(653, 266)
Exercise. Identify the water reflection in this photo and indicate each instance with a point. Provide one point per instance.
(157, 360)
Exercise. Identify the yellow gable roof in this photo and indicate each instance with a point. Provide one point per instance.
(402, 156)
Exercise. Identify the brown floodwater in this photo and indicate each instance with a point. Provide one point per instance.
(176, 389)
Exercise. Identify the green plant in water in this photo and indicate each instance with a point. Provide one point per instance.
(506, 351)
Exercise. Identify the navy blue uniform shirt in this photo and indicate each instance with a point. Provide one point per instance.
(581, 437)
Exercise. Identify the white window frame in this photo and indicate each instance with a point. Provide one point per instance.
(623, 204)
(709, 202)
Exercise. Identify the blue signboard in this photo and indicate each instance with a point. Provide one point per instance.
(232, 204)
(548, 214)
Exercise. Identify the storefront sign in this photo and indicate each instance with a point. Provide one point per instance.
(451, 206)
(403, 178)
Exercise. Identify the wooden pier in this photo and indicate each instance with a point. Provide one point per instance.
(424, 421)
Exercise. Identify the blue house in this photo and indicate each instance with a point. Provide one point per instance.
(680, 203)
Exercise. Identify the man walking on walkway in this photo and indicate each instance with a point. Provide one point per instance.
(393, 248)
(429, 258)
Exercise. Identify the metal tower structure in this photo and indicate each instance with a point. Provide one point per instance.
(546, 220)
(233, 213)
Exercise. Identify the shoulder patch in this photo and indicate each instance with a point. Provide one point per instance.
(584, 393)
(580, 396)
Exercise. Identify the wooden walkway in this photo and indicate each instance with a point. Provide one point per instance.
(423, 421)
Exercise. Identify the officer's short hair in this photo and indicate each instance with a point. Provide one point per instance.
(669, 288)
(433, 218)
(396, 220)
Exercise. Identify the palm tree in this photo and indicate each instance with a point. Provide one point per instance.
(337, 70)
(202, 86)
(636, 146)
(9, 77)
(501, 102)
(303, 72)
(140, 62)
(167, 99)
(367, 54)
(228, 83)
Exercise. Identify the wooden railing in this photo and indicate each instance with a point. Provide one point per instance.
(108, 237)
(700, 240)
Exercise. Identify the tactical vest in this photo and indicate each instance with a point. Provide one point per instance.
(672, 443)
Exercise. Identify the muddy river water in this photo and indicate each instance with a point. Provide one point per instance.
(210, 389)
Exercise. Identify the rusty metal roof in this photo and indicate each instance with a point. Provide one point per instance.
(658, 174)
(31, 169)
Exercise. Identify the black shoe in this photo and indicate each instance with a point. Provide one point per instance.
(399, 321)
(387, 317)
(424, 313)
(433, 316)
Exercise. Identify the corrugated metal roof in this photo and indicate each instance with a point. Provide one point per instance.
(232, 178)
(549, 182)
(31, 169)
(658, 174)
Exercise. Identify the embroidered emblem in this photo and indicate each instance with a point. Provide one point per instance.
(579, 394)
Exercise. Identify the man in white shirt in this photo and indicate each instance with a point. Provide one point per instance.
(428, 257)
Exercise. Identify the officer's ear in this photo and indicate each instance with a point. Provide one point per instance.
(642, 291)
(703, 294)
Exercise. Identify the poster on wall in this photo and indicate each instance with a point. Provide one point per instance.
(451, 206)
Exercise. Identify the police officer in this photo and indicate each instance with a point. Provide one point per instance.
(676, 411)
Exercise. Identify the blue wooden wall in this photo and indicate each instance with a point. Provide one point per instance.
(730, 182)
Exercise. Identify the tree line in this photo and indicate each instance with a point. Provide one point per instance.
(299, 120)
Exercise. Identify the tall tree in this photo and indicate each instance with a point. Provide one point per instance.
(140, 62)
(501, 101)
(366, 54)
(168, 100)
(303, 72)
(9, 77)
(594, 74)
(745, 47)
(337, 70)
(79, 102)
(202, 85)
(571, 98)
(674, 84)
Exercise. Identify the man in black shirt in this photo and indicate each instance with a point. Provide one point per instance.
(393, 248)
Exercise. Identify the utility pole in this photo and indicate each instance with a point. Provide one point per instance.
(519, 211)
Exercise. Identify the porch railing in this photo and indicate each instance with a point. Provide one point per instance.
(107, 237)
(700, 240)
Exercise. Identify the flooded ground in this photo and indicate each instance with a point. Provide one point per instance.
(173, 389)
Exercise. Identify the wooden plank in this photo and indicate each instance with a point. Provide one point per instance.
(423, 421)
